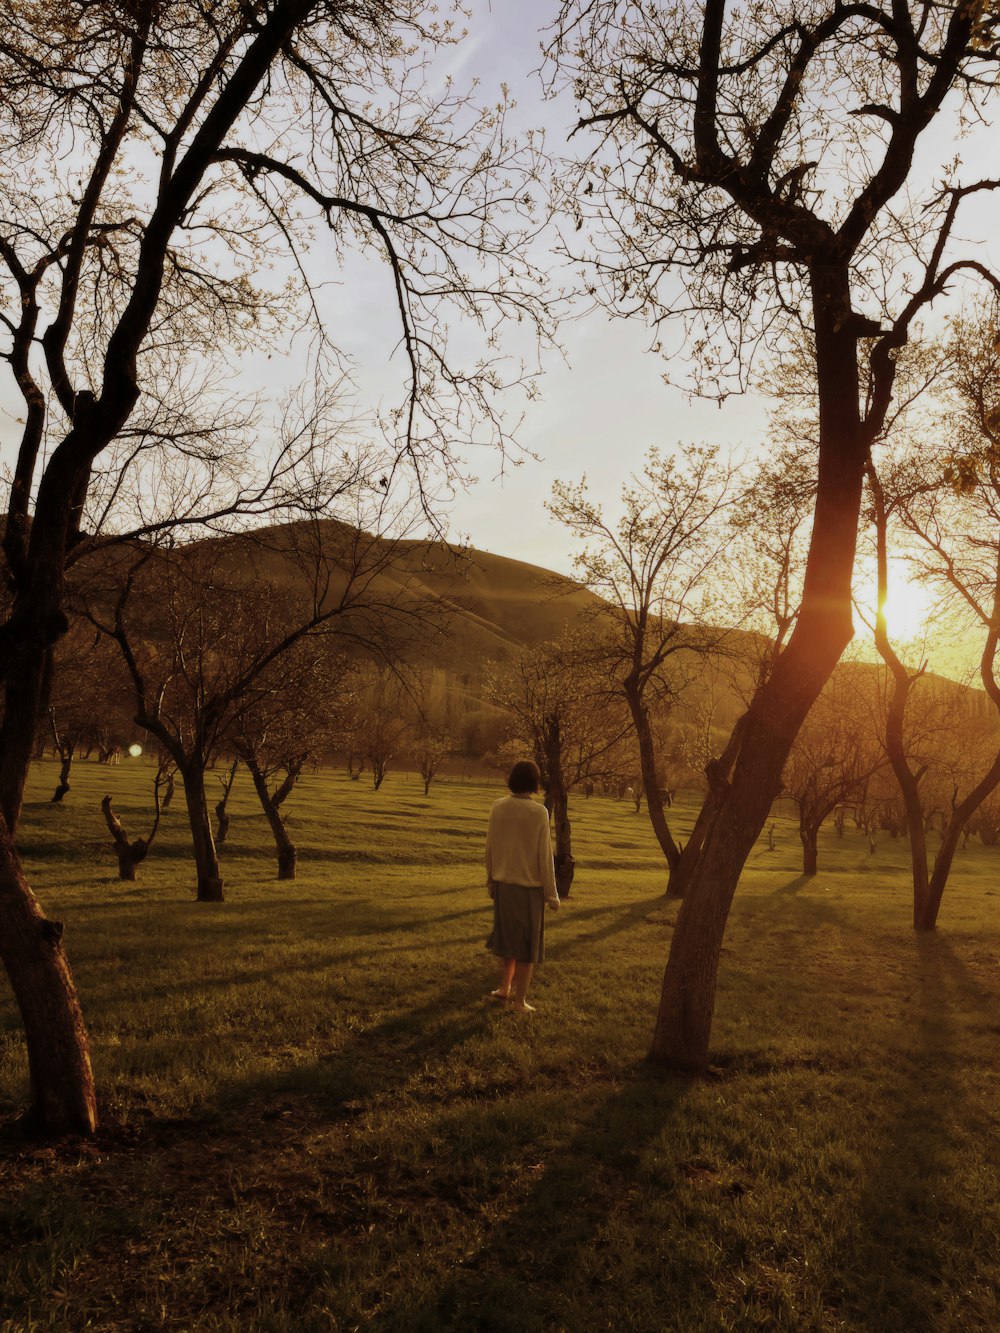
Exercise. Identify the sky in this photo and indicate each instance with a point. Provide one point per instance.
(603, 401)
(602, 398)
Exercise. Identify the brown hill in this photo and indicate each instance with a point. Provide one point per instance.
(481, 606)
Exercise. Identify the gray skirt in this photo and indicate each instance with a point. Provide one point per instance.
(518, 923)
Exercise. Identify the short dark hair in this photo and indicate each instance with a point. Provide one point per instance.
(524, 777)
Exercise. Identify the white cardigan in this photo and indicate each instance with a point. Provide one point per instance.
(518, 846)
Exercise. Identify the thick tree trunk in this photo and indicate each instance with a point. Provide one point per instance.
(205, 858)
(23, 704)
(58, 1053)
(126, 864)
(62, 1082)
(780, 705)
(810, 852)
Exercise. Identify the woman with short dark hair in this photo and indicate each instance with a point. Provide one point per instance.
(520, 878)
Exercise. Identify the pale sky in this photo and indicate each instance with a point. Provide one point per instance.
(602, 412)
(603, 404)
(602, 408)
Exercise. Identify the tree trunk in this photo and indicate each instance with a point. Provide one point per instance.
(781, 703)
(564, 863)
(926, 914)
(205, 858)
(129, 853)
(64, 772)
(62, 1082)
(287, 853)
(126, 864)
(651, 778)
(810, 852)
(221, 808)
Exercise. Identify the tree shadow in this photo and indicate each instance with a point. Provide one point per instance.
(910, 1217)
(378, 1059)
(795, 885)
(618, 919)
(565, 1209)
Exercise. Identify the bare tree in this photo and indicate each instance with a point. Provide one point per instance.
(86, 697)
(950, 505)
(653, 569)
(300, 711)
(431, 747)
(132, 851)
(749, 178)
(157, 157)
(227, 781)
(833, 759)
(573, 722)
(379, 726)
(203, 627)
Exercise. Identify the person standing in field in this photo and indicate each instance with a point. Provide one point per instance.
(521, 880)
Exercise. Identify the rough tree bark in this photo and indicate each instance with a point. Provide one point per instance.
(62, 1083)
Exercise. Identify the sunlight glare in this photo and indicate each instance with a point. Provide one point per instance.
(907, 606)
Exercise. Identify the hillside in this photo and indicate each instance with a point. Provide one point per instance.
(480, 606)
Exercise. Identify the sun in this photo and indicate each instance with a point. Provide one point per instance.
(907, 607)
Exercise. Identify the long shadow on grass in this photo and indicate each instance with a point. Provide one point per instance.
(555, 1252)
(912, 1219)
(616, 919)
(377, 1059)
(795, 885)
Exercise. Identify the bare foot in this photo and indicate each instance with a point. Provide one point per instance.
(523, 1008)
(499, 994)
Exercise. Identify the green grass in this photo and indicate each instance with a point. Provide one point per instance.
(313, 1119)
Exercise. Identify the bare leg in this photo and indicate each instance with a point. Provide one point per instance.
(502, 992)
(522, 980)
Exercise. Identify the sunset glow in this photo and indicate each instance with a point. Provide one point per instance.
(907, 607)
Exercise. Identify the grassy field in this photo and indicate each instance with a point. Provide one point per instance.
(314, 1119)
